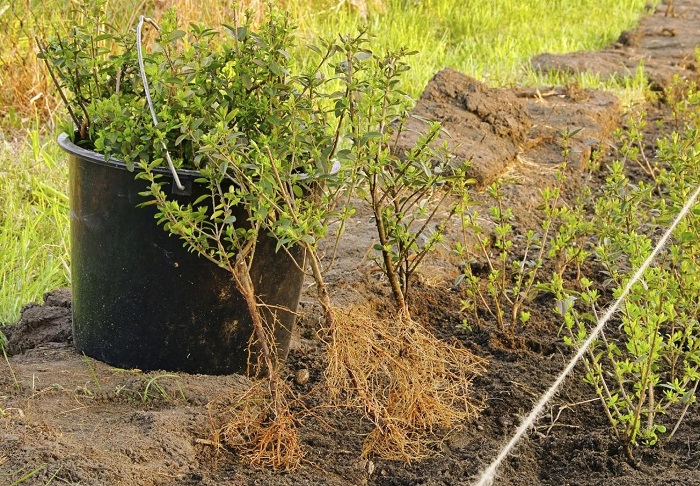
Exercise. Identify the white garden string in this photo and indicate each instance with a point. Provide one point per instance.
(489, 474)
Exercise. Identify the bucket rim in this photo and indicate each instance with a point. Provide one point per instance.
(65, 142)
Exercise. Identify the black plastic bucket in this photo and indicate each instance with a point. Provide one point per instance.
(141, 300)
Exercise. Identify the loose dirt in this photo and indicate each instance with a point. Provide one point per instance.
(68, 419)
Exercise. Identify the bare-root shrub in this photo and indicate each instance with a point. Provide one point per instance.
(413, 386)
(260, 425)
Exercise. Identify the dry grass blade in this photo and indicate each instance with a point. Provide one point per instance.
(24, 90)
(414, 386)
(25, 87)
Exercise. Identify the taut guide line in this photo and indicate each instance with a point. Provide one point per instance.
(489, 475)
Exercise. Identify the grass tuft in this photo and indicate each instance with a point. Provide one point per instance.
(34, 237)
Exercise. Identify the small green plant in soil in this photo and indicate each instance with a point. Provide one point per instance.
(24, 475)
(632, 143)
(684, 98)
(513, 262)
(412, 196)
(146, 387)
(646, 369)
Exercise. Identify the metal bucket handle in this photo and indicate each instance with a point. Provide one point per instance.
(142, 70)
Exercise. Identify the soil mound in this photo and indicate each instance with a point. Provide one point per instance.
(662, 45)
(42, 324)
(495, 128)
(486, 126)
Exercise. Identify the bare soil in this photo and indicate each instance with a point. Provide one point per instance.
(69, 419)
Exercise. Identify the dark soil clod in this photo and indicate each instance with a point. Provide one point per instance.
(42, 324)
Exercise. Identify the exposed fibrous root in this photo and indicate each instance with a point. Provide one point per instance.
(413, 386)
(261, 429)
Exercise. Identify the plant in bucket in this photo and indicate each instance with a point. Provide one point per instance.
(141, 299)
(219, 137)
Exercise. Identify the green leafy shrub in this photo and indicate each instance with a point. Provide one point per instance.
(198, 80)
(280, 154)
(646, 372)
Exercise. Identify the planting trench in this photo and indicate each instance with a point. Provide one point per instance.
(79, 421)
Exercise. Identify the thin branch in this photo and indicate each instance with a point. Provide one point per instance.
(42, 50)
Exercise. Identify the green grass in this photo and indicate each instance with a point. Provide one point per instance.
(631, 90)
(492, 40)
(33, 222)
(488, 39)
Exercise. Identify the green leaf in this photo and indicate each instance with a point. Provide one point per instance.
(200, 199)
(246, 81)
(175, 35)
(369, 136)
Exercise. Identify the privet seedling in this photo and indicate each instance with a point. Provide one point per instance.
(631, 141)
(647, 371)
(412, 195)
(512, 280)
(684, 98)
